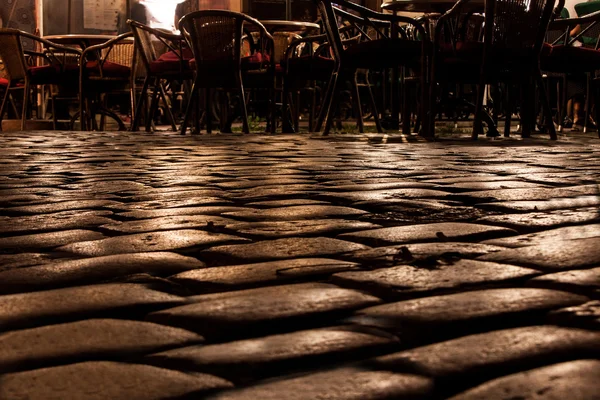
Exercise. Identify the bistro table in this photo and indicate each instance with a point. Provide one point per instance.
(433, 10)
(83, 40)
(274, 25)
(429, 6)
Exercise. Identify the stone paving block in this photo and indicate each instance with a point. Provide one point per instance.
(456, 314)
(232, 277)
(552, 255)
(421, 253)
(271, 192)
(160, 204)
(96, 269)
(546, 238)
(585, 315)
(167, 212)
(97, 380)
(378, 185)
(461, 363)
(53, 207)
(483, 196)
(168, 223)
(163, 195)
(586, 281)
(543, 220)
(286, 203)
(379, 195)
(183, 239)
(338, 384)
(25, 310)
(47, 240)
(268, 309)
(295, 213)
(245, 183)
(87, 340)
(409, 280)
(303, 227)
(473, 185)
(274, 355)
(437, 232)
(20, 260)
(74, 219)
(278, 249)
(574, 380)
(543, 205)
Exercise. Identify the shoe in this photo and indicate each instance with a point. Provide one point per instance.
(567, 123)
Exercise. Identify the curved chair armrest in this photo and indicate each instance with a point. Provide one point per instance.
(380, 17)
(565, 23)
(266, 41)
(109, 43)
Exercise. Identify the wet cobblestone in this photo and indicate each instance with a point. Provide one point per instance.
(156, 266)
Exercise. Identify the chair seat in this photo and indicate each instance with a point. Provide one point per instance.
(109, 69)
(382, 53)
(307, 67)
(186, 54)
(255, 61)
(169, 66)
(3, 82)
(571, 59)
(53, 74)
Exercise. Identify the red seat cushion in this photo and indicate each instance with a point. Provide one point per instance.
(382, 53)
(307, 67)
(571, 59)
(255, 61)
(45, 74)
(185, 54)
(3, 82)
(169, 66)
(109, 69)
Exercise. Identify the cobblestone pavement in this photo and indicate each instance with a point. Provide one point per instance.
(138, 266)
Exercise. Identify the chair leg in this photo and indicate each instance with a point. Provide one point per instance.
(373, 106)
(25, 105)
(165, 98)
(190, 106)
(208, 110)
(135, 125)
(477, 122)
(587, 102)
(326, 103)
(245, 126)
(4, 105)
(153, 106)
(508, 111)
(596, 90)
(359, 117)
(333, 103)
(546, 105)
(285, 122)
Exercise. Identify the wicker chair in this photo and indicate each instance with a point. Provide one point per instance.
(106, 69)
(563, 57)
(59, 68)
(169, 64)
(514, 32)
(215, 37)
(387, 50)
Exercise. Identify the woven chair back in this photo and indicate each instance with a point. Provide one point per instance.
(215, 37)
(11, 53)
(517, 25)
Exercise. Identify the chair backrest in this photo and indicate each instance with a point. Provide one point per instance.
(143, 40)
(11, 53)
(215, 37)
(282, 41)
(516, 26)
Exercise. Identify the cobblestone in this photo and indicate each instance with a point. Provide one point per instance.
(159, 266)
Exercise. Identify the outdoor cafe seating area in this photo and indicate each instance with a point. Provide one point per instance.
(502, 65)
